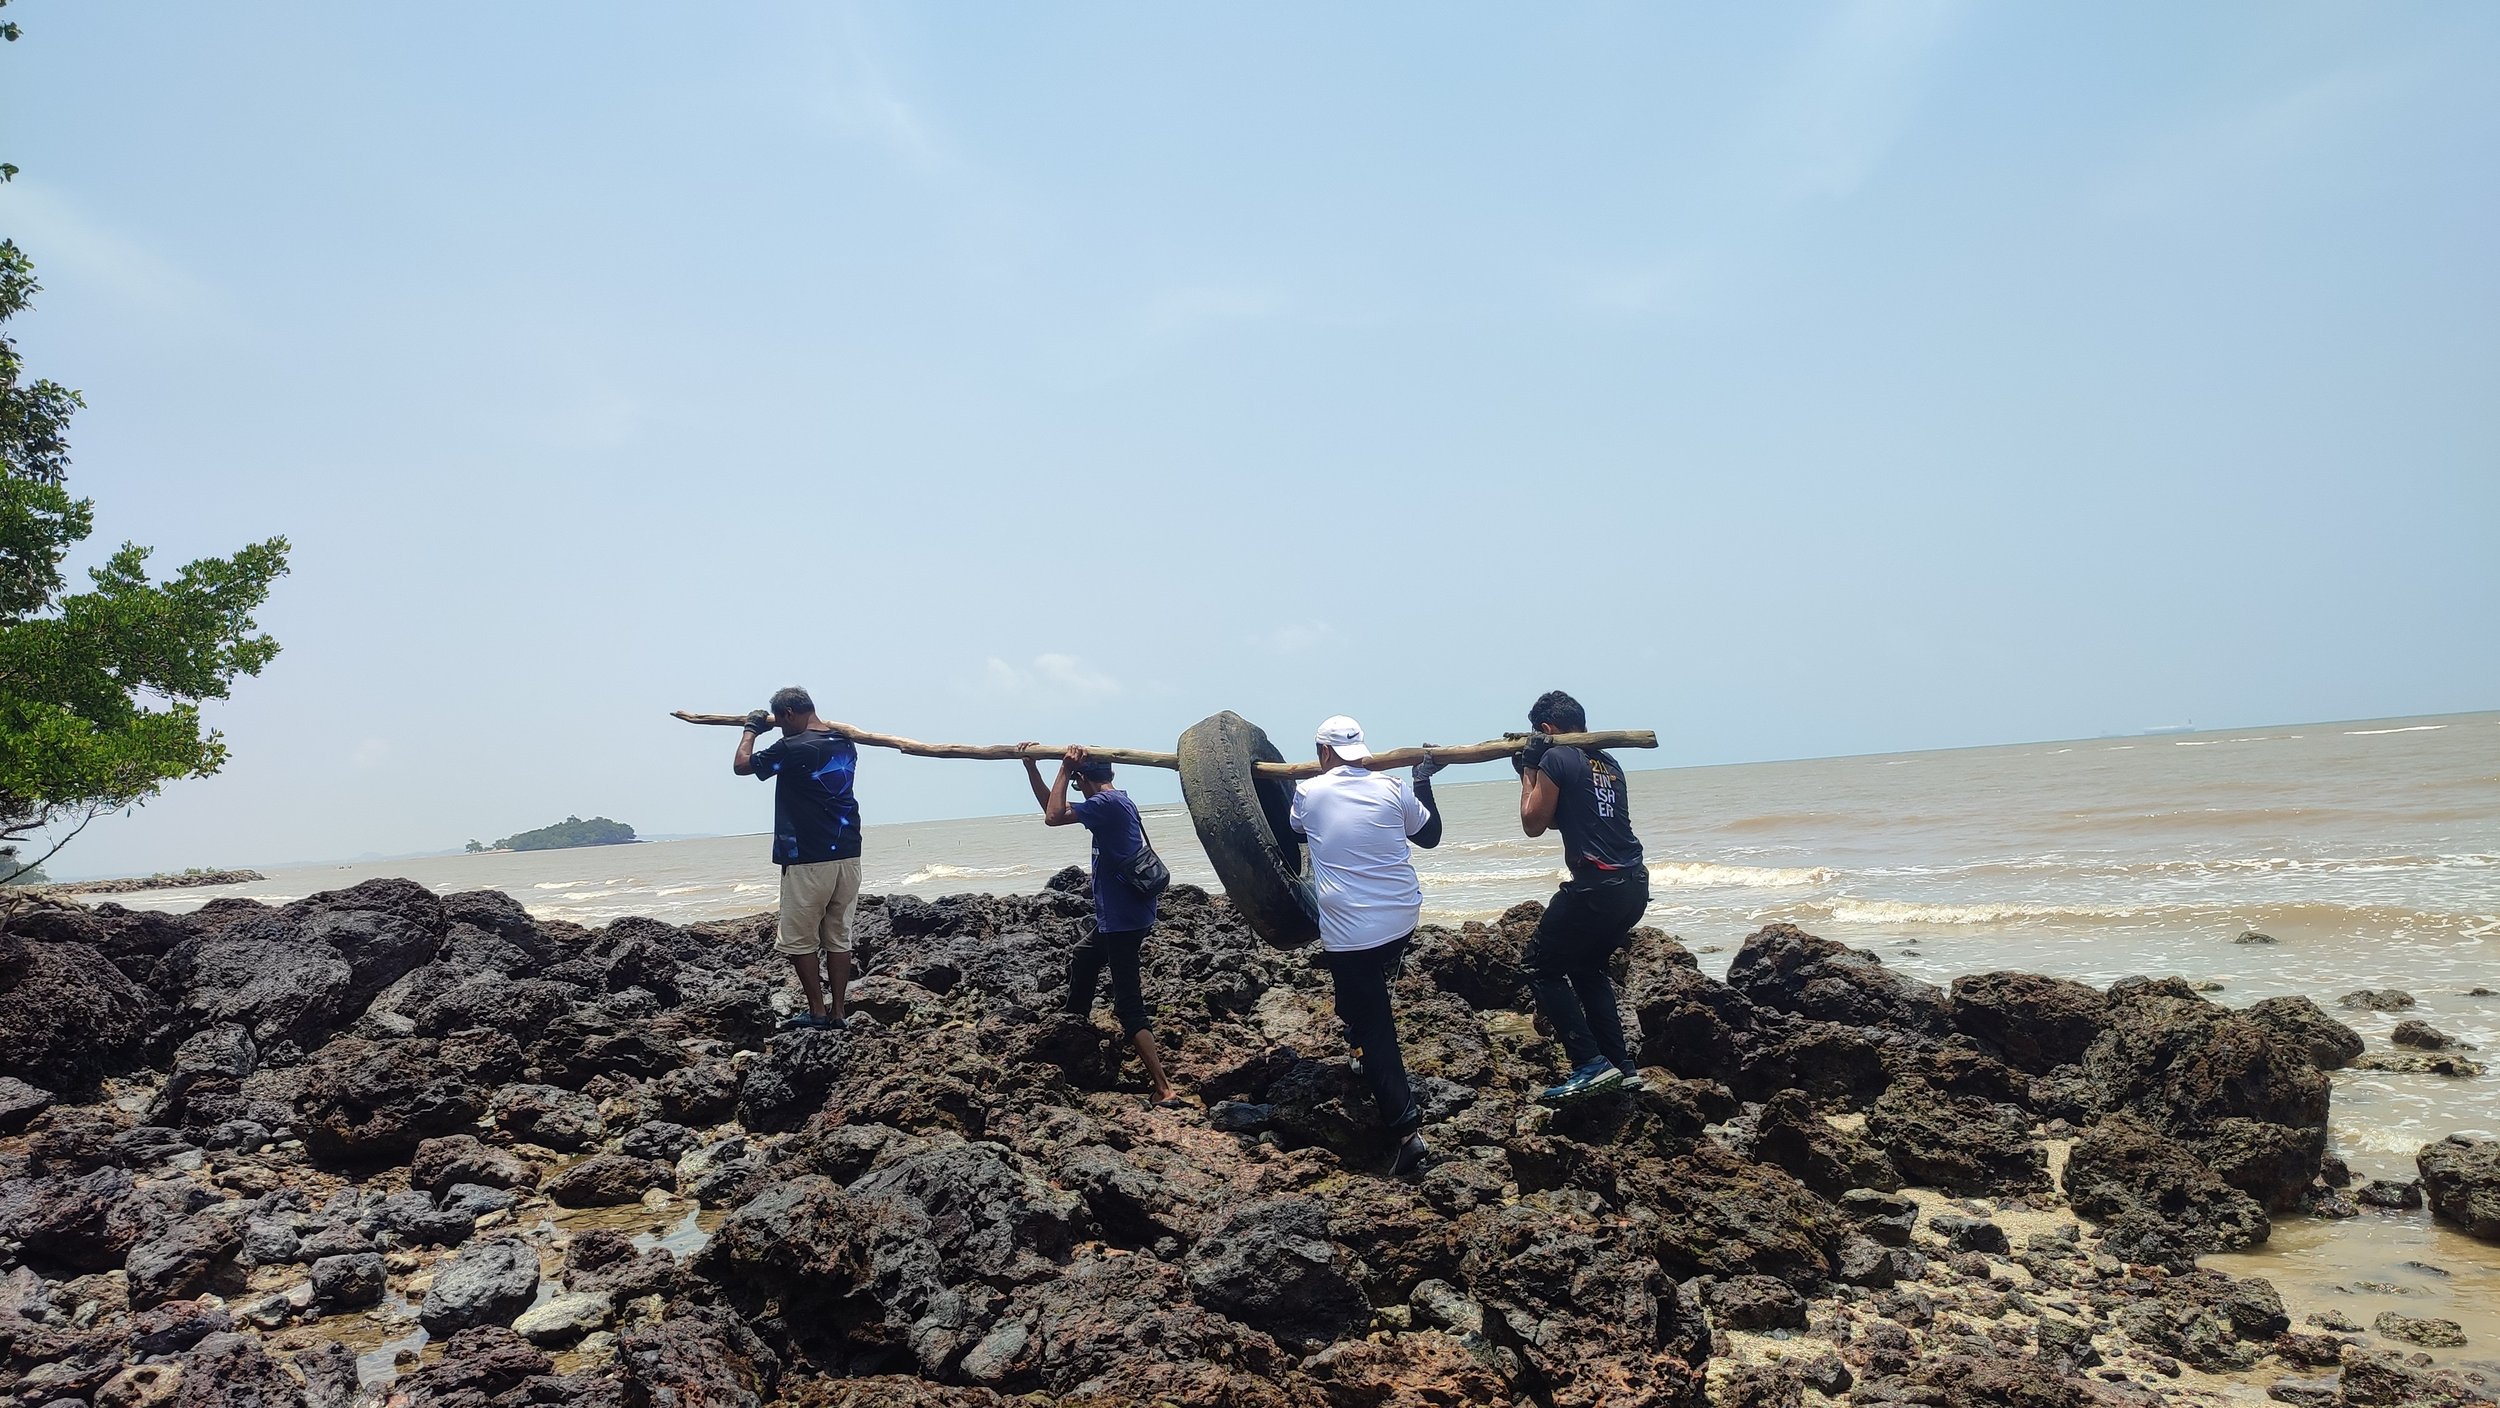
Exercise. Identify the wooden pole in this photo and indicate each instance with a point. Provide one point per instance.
(1485, 752)
(1002, 752)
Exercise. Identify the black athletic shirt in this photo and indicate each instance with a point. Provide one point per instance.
(1593, 813)
(815, 817)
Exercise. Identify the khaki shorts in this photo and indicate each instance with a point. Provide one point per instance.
(816, 904)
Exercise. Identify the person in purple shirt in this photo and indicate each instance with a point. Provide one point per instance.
(1122, 913)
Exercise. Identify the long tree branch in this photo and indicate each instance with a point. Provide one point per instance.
(1484, 752)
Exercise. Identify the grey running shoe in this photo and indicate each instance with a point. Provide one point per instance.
(1599, 1074)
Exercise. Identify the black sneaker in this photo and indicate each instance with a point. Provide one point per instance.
(1412, 1155)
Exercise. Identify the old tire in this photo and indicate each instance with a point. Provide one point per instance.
(1242, 821)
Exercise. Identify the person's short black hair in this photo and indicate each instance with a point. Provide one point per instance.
(793, 700)
(1559, 709)
(1093, 770)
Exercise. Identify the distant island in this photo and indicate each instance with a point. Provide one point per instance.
(572, 831)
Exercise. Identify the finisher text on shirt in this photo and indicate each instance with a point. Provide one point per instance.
(1593, 812)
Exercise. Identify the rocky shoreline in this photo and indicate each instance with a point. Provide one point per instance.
(138, 884)
(380, 1146)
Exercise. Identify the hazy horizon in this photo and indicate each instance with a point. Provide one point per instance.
(1857, 378)
(1162, 783)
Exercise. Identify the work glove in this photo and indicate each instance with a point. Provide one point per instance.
(1430, 765)
(1532, 752)
(759, 722)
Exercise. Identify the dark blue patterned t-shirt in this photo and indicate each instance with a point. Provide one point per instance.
(815, 817)
(1118, 833)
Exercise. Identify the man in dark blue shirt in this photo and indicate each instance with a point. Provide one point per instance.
(815, 842)
(1581, 794)
(1122, 912)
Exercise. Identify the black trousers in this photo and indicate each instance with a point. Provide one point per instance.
(1119, 952)
(1361, 979)
(1566, 963)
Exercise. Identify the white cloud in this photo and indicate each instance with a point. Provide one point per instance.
(1183, 310)
(2250, 141)
(1840, 108)
(596, 416)
(1051, 677)
(851, 90)
(1134, 334)
(1660, 286)
(1298, 638)
(1819, 131)
(65, 240)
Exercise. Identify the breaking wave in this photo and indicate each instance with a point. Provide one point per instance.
(1710, 875)
(2385, 921)
(1542, 875)
(928, 873)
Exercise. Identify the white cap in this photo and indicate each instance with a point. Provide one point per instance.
(1345, 736)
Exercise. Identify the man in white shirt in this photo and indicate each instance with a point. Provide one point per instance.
(1358, 823)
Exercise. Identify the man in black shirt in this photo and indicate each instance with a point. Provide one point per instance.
(1582, 794)
(815, 842)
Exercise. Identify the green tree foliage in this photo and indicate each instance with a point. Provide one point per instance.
(100, 689)
(572, 831)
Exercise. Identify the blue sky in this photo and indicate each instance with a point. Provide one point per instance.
(1792, 380)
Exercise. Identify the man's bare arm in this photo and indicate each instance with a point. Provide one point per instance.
(1055, 806)
(1537, 798)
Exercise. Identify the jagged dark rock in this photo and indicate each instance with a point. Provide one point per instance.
(1958, 1143)
(2034, 1023)
(2422, 1036)
(82, 1222)
(605, 1180)
(193, 1255)
(368, 1102)
(2245, 1098)
(2461, 1181)
(1828, 1160)
(68, 1017)
(963, 1200)
(487, 1283)
(2330, 1044)
(348, 1282)
(1271, 1266)
(460, 1158)
(1783, 966)
(2123, 1165)
(563, 1120)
